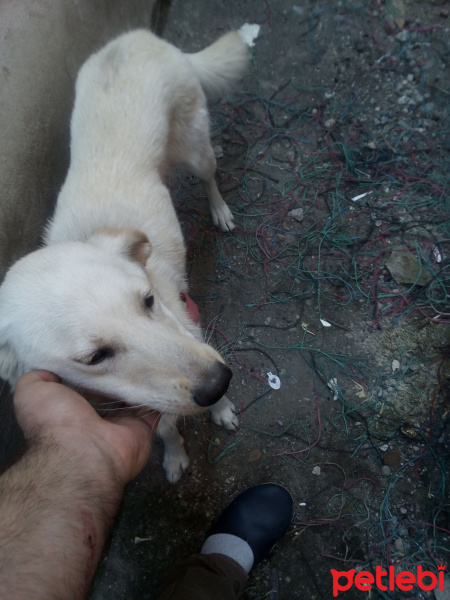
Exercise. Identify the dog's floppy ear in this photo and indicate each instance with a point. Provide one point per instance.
(130, 243)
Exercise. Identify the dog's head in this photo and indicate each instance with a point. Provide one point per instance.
(90, 312)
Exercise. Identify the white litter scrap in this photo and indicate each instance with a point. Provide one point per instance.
(333, 385)
(249, 33)
(395, 365)
(274, 381)
(325, 323)
(361, 196)
(437, 254)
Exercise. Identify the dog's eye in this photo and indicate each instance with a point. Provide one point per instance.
(98, 356)
(149, 300)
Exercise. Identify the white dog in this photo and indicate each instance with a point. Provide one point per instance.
(101, 304)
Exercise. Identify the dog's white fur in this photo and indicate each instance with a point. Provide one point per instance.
(115, 240)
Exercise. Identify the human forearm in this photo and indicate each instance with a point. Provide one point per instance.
(55, 516)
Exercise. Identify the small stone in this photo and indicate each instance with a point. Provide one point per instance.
(255, 454)
(385, 470)
(280, 423)
(403, 510)
(218, 151)
(402, 36)
(384, 447)
(410, 77)
(399, 545)
(329, 95)
(403, 99)
(405, 268)
(316, 471)
(296, 214)
(445, 593)
(330, 123)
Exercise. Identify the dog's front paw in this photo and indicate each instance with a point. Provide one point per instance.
(174, 465)
(223, 217)
(223, 413)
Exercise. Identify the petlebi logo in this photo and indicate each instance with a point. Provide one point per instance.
(388, 579)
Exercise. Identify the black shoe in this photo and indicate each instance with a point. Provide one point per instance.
(260, 516)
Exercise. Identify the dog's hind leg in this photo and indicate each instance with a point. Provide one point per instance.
(175, 458)
(196, 154)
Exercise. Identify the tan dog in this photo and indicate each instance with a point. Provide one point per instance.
(100, 303)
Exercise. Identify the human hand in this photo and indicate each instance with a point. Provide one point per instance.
(118, 447)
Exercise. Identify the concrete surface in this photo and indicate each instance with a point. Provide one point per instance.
(42, 46)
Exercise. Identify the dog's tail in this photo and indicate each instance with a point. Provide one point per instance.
(220, 66)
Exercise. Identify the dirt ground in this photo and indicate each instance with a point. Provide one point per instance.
(344, 115)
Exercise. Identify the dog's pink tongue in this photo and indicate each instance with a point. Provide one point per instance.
(191, 307)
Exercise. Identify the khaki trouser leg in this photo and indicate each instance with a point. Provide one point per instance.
(205, 577)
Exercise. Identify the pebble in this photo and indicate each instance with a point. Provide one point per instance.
(445, 593)
(218, 151)
(402, 36)
(330, 123)
(403, 510)
(316, 471)
(403, 99)
(297, 213)
(385, 470)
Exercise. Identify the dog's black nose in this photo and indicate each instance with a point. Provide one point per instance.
(214, 385)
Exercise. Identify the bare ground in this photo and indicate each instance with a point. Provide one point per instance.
(344, 99)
